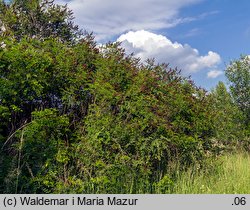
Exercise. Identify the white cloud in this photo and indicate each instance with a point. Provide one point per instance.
(113, 17)
(149, 45)
(214, 73)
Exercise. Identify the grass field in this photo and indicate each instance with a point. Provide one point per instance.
(229, 174)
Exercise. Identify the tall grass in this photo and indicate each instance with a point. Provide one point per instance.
(228, 174)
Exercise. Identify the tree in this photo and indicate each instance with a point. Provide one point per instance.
(238, 74)
(37, 19)
(228, 125)
(75, 119)
(43, 93)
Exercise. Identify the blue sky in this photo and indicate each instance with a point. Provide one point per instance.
(226, 31)
(198, 36)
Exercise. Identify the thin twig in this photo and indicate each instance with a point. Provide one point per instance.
(19, 160)
(10, 137)
(30, 171)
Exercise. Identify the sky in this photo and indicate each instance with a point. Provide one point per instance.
(200, 37)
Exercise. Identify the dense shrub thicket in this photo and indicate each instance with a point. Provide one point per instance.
(79, 118)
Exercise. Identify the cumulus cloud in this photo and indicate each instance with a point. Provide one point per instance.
(112, 17)
(149, 45)
(214, 73)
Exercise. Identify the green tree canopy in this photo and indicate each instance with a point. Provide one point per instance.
(228, 120)
(37, 19)
(238, 74)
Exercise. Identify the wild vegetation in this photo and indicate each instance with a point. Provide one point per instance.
(228, 174)
(76, 117)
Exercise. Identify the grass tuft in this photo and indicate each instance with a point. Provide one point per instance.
(229, 174)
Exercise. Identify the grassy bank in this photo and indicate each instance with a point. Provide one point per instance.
(229, 174)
